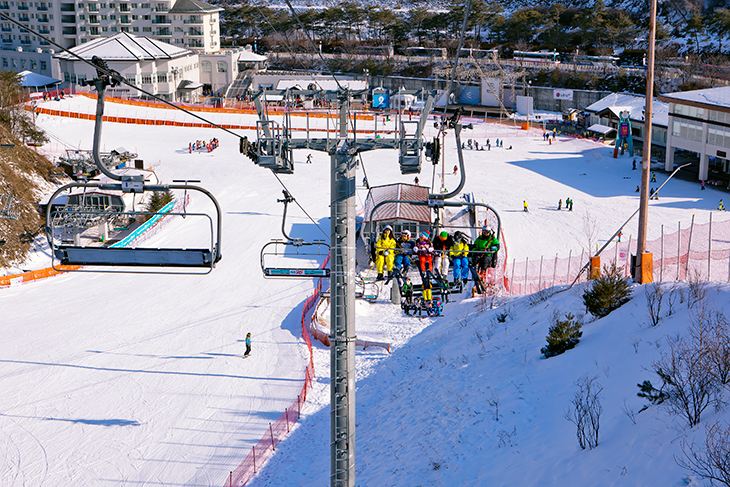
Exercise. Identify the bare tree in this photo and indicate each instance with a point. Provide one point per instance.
(590, 232)
(674, 294)
(718, 346)
(689, 380)
(585, 412)
(697, 289)
(654, 300)
(712, 463)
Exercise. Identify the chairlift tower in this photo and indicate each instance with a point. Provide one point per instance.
(273, 149)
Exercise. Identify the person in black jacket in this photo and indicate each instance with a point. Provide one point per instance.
(442, 243)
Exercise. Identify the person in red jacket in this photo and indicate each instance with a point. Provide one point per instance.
(424, 250)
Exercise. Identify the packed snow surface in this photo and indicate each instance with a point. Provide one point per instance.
(471, 401)
(122, 379)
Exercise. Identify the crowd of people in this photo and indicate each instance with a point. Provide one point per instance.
(473, 144)
(202, 145)
(433, 258)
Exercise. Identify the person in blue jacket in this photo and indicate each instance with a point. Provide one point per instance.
(248, 345)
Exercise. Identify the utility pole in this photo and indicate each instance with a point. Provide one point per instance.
(342, 308)
(273, 149)
(646, 151)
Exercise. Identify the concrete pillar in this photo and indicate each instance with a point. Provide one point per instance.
(704, 166)
(669, 159)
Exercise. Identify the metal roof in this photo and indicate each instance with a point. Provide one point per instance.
(713, 98)
(619, 102)
(192, 7)
(125, 47)
(398, 211)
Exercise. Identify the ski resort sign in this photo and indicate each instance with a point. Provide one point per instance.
(563, 95)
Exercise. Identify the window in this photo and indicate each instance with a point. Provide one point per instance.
(206, 66)
(131, 81)
(146, 79)
(222, 67)
(717, 116)
(5, 63)
(44, 65)
(689, 111)
(687, 129)
(718, 136)
(162, 77)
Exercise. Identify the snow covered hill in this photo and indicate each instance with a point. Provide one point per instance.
(470, 401)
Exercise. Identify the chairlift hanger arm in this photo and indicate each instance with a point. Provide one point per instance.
(431, 204)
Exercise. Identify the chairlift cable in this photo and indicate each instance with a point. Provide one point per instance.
(306, 34)
(151, 95)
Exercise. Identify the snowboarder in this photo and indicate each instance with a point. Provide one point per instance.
(550, 141)
(416, 180)
(424, 250)
(470, 144)
(309, 158)
(459, 257)
(404, 251)
(619, 235)
(721, 205)
(633, 165)
(524, 206)
(385, 252)
(569, 202)
(637, 189)
(456, 169)
(653, 177)
(407, 290)
(560, 204)
(441, 245)
(702, 184)
(248, 345)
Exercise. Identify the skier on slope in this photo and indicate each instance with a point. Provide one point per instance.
(459, 252)
(441, 245)
(404, 249)
(385, 252)
(248, 345)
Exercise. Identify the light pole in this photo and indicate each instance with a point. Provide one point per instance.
(646, 150)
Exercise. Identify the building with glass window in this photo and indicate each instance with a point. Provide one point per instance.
(188, 24)
(603, 117)
(162, 69)
(699, 132)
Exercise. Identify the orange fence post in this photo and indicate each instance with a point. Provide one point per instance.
(647, 268)
(595, 267)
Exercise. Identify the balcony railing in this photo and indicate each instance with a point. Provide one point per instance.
(22, 7)
(6, 29)
(43, 19)
(195, 32)
(23, 17)
(161, 21)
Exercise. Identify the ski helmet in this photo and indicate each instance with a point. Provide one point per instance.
(389, 228)
(424, 234)
(485, 228)
(407, 233)
(444, 234)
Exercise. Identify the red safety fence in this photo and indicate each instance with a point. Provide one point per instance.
(701, 251)
(278, 430)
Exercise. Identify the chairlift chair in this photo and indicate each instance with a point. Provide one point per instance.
(271, 152)
(274, 251)
(123, 253)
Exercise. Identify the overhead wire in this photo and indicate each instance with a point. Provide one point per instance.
(122, 80)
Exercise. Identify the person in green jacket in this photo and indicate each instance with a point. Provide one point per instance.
(407, 290)
(486, 246)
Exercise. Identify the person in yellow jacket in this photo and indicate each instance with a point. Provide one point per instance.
(385, 252)
(459, 253)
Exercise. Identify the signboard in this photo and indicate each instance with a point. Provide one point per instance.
(470, 95)
(381, 99)
(563, 95)
(623, 129)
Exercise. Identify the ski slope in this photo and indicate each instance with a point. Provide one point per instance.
(470, 402)
(118, 379)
